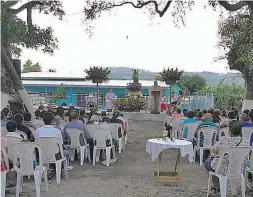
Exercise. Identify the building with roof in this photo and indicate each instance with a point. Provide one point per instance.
(76, 88)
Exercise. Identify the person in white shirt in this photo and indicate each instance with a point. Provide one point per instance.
(11, 128)
(108, 98)
(49, 131)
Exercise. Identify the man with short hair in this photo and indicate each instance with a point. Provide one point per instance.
(49, 131)
(11, 127)
(76, 124)
(27, 121)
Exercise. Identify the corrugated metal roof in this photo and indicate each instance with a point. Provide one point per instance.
(111, 83)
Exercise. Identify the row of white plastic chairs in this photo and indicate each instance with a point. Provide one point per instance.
(48, 147)
(237, 155)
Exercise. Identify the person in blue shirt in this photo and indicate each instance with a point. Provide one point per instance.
(244, 119)
(189, 119)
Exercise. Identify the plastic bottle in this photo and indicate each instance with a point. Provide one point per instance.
(34, 160)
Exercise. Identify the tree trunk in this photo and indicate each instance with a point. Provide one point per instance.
(97, 96)
(17, 82)
(248, 101)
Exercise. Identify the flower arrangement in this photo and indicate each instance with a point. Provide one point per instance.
(134, 87)
(131, 103)
(170, 76)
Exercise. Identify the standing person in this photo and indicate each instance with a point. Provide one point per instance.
(12, 128)
(108, 99)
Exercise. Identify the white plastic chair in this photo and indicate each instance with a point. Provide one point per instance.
(11, 140)
(100, 137)
(237, 156)
(249, 170)
(177, 125)
(114, 130)
(208, 134)
(24, 156)
(4, 131)
(3, 173)
(246, 133)
(22, 134)
(191, 127)
(50, 147)
(75, 135)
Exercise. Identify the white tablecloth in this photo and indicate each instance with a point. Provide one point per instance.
(155, 146)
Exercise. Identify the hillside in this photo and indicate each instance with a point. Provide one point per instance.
(215, 78)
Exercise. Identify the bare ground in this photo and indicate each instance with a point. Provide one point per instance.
(131, 176)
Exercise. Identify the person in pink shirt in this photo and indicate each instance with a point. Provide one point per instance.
(178, 114)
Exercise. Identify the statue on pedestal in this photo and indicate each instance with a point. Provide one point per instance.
(155, 98)
(134, 88)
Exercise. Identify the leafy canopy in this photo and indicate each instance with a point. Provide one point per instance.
(97, 74)
(170, 74)
(17, 33)
(192, 83)
(28, 66)
(236, 37)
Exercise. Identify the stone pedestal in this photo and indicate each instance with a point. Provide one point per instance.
(134, 93)
(155, 98)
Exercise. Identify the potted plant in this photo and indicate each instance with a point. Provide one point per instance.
(170, 76)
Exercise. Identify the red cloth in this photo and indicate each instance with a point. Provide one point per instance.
(163, 107)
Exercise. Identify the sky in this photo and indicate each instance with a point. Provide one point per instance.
(151, 45)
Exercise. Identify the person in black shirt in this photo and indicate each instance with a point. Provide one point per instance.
(19, 119)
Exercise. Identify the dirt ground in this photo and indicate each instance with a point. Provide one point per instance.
(132, 175)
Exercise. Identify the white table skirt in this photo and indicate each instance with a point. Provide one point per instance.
(155, 146)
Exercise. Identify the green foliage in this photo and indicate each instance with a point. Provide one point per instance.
(168, 75)
(58, 94)
(225, 95)
(97, 74)
(192, 83)
(236, 36)
(28, 66)
(17, 33)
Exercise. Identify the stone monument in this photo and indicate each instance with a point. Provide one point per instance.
(134, 88)
(155, 98)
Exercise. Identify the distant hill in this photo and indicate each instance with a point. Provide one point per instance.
(211, 77)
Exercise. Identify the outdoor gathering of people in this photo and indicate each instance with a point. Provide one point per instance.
(213, 131)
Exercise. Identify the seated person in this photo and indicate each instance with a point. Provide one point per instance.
(115, 119)
(178, 114)
(11, 127)
(65, 136)
(189, 119)
(19, 119)
(216, 116)
(49, 131)
(243, 118)
(27, 121)
(235, 140)
(200, 116)
(208, 122)
(78, 125)
(37, 122)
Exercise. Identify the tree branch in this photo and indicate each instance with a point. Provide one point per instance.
(141, 4)
(233, 7)
(10, 3)
(26, 6)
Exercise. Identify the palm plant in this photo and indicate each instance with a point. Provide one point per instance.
(97, 75)
(170, 76)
